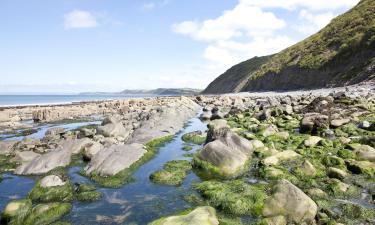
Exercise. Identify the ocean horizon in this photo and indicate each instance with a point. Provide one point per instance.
(10, 100)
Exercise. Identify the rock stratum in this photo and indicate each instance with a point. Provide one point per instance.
(342, 53)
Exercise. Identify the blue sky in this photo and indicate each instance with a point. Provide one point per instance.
(71, 46)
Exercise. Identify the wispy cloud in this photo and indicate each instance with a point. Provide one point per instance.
(80, 19)
(151, 5)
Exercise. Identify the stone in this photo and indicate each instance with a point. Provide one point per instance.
(204, 215)
(336, 173)
(276, 220)
(312, 141)
(51, 181)
(316, 192)
(283, 135)
(269, 130)
(339, 122)
(15, 208)
(279, 157)
(25, 156)
(113, 130)
(114, 159)
(365, 152)
(93, 149)
(228, 160)
(307, 168)
(364, 124)
(289, 201)
(75, 146)
(361, 167)
(55, 131)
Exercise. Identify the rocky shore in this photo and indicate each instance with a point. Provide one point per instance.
(280, 158)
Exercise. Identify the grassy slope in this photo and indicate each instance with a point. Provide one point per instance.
(341, 53)
(231, 80)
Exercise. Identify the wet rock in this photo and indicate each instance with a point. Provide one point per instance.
(289, 201)
(51, 181)
(204, 215)
(336, 173)
(361, 167)
(112, 160)
(15, 208)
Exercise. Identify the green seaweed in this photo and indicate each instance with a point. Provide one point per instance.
(173, 173)
(235, 196)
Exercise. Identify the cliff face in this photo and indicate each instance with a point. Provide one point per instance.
(341, 53)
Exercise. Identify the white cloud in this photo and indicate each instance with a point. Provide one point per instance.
(313, 22)
(151, 5)
(307, 4)
(80, 19)
(240, 21)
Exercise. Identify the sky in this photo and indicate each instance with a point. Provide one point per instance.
(71, 46)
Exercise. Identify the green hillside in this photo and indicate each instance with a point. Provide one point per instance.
(341, 53)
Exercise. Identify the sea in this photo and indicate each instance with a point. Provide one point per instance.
(23, 100)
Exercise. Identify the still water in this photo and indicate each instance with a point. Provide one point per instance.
(138, 202)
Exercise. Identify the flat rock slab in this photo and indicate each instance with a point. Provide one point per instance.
(45, 163)
(110, 161)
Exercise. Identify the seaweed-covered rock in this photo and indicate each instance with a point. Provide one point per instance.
(14, 209)
(203, 215)
(279, 157)
(312, 141)
(361, 167)
(289, 201)
(173, 172)
(225, 160)
(59, 191)
(235, 197)
(195, 137)
(44, 214)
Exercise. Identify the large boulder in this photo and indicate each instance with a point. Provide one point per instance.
(112, 160)
(229, 161)
(204, 215)
(289, 201)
